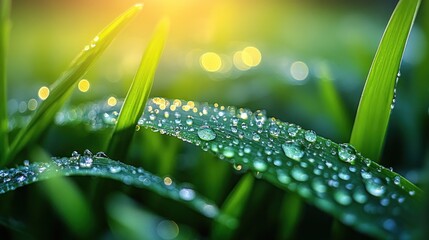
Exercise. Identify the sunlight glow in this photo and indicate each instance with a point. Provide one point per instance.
(112, 101)
(83, 85)
(43, 93)
(211, 62)
(251, 56)
(299, 70)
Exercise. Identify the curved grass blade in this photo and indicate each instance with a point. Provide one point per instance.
(4, 44)
(138, 93)
(99, 166)
(62, 87)
(375, 104)
(334, 177)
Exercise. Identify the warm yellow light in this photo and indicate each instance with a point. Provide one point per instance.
(299, 70)
(211, 62)
(168, 181)
(251, 56)
(43, 93)
(238, 61)
(32, 104)
(112, 101)
(83, 85)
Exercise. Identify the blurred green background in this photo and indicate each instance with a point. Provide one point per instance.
(304, 62)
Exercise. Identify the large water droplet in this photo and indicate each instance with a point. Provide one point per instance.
(359, 196)
(310, 136)
(228, 152)
(347, 153)
(187, 194)
(319, 186)
(293, 150)
(298, 174)
(342, 197)
(375, 187)
(206, 133)
(260, 165)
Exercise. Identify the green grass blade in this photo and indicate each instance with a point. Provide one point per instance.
(61, 88)
(65, 195)
(4, 44)
(374, 109)
(228, 221)
(138, 93)
(99, 166)
(334, 177)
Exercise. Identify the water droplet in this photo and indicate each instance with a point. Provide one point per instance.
(274, 131)
(206, 133)
(187, 194)
(347, 153)
(283, 177)
(293, 150)
(342, 197)
(298, 174)
(397, 180)
(412, 192)
(75, 156)
(256, 137)
(87, 153)
(260, 165)
(310, 136)
(318, 186)
(292, 131)
(85, 161)
(115, 169)
(375, 187)
(101, 155)
(359, 196)
(228, 152)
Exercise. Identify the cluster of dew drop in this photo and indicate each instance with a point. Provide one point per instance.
(100, 165)
(336, 177)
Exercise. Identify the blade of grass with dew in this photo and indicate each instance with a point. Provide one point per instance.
(228, 220)
(58, 91)
(336, 178)
(4, 44)
(138, 93)
(65, 195)
(99, 166)
(375, 105)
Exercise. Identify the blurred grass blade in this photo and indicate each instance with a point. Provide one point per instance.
(228, 220)
(63, 85)
(65, 195)
(290, 213)
(99, 166)
(375, 104)
(334, 177)
(4, 44)
(138, 93)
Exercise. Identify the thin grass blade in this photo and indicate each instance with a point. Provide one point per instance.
(375, 105)
(61, 88)
(4, 44)
(138, 93)
(228, 221)
(98, 165)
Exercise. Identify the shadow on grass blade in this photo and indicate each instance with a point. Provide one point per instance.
(138, 93)
(60, 90)
(375, 105)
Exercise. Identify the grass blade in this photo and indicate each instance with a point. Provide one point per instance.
(374, 108)
(228, 221)
(61, 88)
(4, 44)
(334, 177)
(100, 166)
(138, 93)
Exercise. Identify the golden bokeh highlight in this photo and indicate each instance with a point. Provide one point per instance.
(83, 85)
(43, 93)
(211, 62)
(112, 101)
(251, 56)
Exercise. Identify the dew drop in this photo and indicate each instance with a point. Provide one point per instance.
(298, 174)
(397, 180)
(347, 153)
(115, 169)
(318, 186)
(283, 177)
(293, 150)
(75, 156)
(260, 165)
(85, 161)
(375, 187)
(360, 196)
(342, 197)
(206, 133)
(292, 131)
(310, 136)
(228, 152)
(187, 194)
